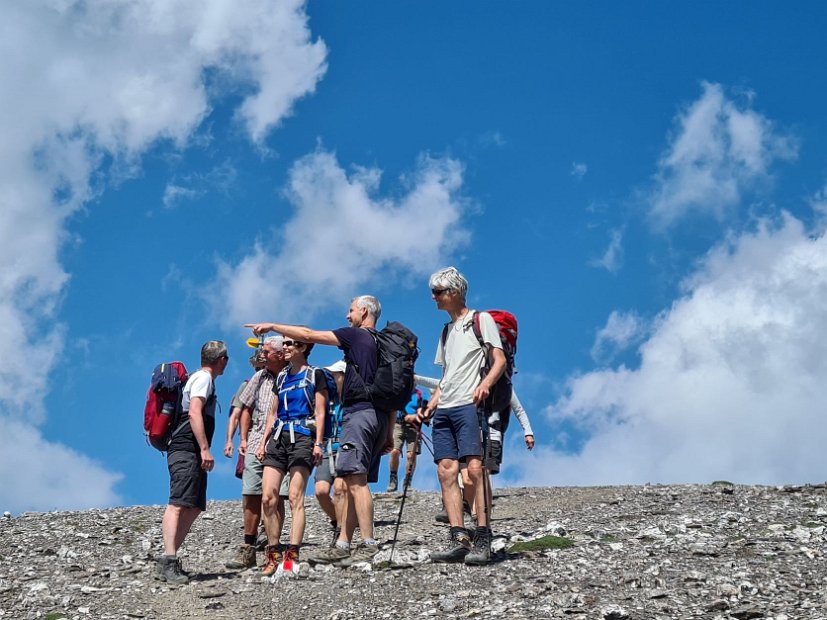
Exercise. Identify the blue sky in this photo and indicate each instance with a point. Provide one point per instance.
(643, 185)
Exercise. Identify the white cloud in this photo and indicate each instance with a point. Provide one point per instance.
(195, 185)
(818, 203)
(578, 170)
(730, 384)
(88, 81)
(719, 151)
(612, 259)
(341, 237)
(621, 330)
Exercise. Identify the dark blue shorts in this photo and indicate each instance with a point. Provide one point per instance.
(456, 433)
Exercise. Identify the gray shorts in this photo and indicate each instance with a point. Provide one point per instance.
(187, 481)
(253, 473)
(323, 473)
(360, 446)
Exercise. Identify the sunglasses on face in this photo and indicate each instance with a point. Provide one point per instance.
(291, 343)
(436, 292)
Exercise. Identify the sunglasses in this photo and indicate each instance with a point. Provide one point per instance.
(291, 343)
(436, 292)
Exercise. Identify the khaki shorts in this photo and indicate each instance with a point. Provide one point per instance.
(404, 433)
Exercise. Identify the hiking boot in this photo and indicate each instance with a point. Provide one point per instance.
(458, 547)
(480, 555)
(442, 516)
(289, 561)
(244, 558)
(363, 553)
(168, 568)
(334, 555)
(393, 483)
(262, 541)
(272, 561)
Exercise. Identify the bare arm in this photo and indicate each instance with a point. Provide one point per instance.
(321, 409)
(196, 415)
(246, 423)
(302, 334)
(232, 424)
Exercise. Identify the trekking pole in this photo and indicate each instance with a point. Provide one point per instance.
(407, 483)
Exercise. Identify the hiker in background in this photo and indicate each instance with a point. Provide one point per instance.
(257, 362)
(294, 446)
(404, 433)
(257, 401)
(458, 420)
(366, 432)
(189, 459)
(325, 474)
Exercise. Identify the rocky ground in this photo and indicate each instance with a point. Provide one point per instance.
(693, 551)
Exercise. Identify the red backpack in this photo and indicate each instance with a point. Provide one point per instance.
(162, 413)
(500, 397)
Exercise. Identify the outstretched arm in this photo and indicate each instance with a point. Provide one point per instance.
(522, 416)
(302, 334)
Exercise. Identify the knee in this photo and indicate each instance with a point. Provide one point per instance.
(474, 471)
(396, 452)
(447, 472)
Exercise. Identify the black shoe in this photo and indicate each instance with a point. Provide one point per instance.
(442, 516)
(458, 547)
(480, 555)
(393, 483)
(168, 568)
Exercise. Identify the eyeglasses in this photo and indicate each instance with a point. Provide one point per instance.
(436, 292)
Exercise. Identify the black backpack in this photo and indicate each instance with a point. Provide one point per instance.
(393, 383)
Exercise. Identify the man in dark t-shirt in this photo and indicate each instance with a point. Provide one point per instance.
(366, 432)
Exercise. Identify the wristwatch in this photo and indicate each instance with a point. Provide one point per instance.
(319, 443)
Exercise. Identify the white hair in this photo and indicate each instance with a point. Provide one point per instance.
(449, 279)
(277, 341)
(371, 304)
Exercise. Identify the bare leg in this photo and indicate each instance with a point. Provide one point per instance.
(252, 513)
(176, 525)
(298, 485)
(447, 470)
(358, 499)
(475, 473)
(322, 491)
(270, 483)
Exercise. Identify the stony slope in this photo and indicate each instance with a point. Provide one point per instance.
(693, 551)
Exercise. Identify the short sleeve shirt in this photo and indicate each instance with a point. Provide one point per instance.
(258, 396)
(462, 358)
(360, 353)
(200, 384)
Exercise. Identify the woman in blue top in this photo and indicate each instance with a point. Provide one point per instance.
(296, 441)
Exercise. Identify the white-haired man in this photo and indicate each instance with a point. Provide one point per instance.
(189, 459)
(457, 409)
(366, 432)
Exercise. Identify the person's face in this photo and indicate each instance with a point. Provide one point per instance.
(222, 364)
(355, 315)
(272, 356)
(292, 349)
(443, 297)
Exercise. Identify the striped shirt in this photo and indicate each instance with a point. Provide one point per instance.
(259, 396)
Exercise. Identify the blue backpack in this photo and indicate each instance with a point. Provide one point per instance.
(333, 418)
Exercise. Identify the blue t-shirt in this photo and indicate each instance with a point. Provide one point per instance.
(360, 354)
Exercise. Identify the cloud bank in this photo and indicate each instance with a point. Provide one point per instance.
(730, 384)
(89, 83)
(342, 237)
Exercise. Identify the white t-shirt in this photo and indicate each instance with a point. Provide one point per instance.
(200, 384)
(462, 358)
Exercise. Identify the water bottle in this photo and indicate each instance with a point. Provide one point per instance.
(168, 409)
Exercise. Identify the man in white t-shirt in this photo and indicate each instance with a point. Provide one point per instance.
(456, 409)
(189, 459)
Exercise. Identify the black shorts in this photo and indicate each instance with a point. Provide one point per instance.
(187, 481)
(283, 455)
(494, 457)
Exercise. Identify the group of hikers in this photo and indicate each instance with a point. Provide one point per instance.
(294, 418)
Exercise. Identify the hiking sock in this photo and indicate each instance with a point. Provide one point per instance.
(343, 545)
(369, 541)
(249, 539)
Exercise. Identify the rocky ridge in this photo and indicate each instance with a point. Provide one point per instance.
(716, 551)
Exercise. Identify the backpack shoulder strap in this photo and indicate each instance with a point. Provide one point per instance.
(477, 329)
(445, 329)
